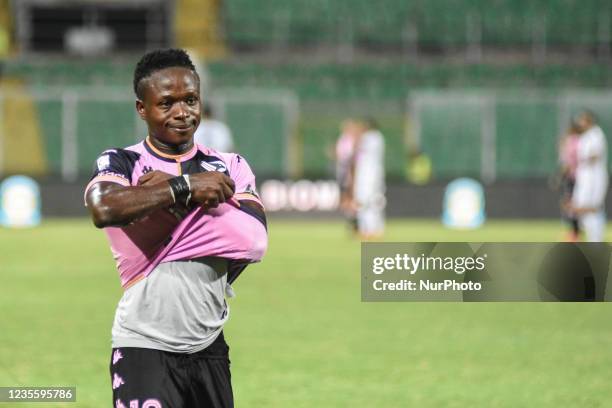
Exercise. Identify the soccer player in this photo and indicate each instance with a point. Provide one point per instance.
(183, 220)
(591, 185)
(213, 133)
(568, 160)
(344, 157)
(369, 181)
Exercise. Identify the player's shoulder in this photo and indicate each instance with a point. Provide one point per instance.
(228, 158)
(599, 133)
(117, 160)
(215, 123)
(115, 165)
(222, 126)
(372, 139)
(234, 163)
(375, 134)
(117, 155)
(593, 137)
(128, 152)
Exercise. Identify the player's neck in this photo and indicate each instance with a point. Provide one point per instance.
(172, 149)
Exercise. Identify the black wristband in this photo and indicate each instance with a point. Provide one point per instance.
(180, 188)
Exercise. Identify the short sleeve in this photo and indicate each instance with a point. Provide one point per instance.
(598, 145)
(114, 165)
(243, 177)
(592, 144)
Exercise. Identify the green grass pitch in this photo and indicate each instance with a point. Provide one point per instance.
(299, 334)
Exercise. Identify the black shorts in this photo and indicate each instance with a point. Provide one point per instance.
(147, 378)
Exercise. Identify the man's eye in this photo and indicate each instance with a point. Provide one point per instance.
(191, 101)
(165, 104)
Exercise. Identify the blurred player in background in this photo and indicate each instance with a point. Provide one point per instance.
(344, 155)
(213, 133)
(369, 180)
(568, 161)
(591, 184)
(164, 204)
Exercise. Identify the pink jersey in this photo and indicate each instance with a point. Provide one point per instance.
(568, 153)
(345, 147)
(236, 233)
(345, 150)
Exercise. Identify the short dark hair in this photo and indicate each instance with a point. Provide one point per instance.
(157, 60)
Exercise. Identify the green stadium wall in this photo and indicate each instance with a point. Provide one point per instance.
(329, 93)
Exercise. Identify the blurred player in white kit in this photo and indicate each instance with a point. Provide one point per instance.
(591, 186)
(344, 156)
(369, 181)
(213, 133)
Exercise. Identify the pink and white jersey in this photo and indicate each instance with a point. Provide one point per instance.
(236, 233)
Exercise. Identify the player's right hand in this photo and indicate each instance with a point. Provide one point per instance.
(211, 188)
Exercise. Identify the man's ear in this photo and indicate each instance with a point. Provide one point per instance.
(140, 108)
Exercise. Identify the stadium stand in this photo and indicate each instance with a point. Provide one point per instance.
(329, 91)
(438, 23)
(25, 139)
(199, 29)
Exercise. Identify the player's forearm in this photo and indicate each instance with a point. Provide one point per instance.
(115, 205)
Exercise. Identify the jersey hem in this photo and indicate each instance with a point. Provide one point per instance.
(119, 342)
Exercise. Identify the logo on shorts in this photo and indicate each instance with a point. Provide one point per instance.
(117, 381)
(216, 165)
(117, 356)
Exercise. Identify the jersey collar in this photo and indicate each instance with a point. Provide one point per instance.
(169, 157)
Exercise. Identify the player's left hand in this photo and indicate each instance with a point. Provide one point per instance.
(154, 177)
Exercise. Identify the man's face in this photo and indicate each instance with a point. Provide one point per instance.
(171, 105)
(584, 123)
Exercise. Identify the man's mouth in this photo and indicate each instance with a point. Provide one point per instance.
(181, 128)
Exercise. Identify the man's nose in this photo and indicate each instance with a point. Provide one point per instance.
(182, 111)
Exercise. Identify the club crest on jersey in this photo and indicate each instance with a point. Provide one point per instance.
(216, 165)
